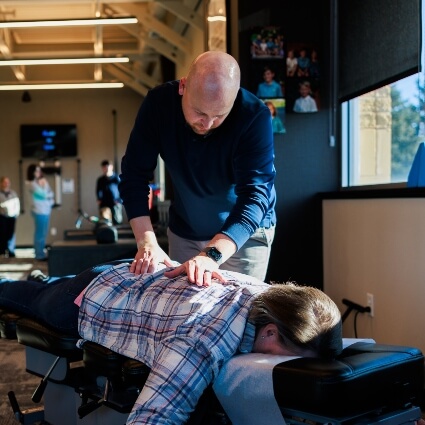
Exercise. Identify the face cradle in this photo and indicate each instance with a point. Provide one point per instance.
(204, 113)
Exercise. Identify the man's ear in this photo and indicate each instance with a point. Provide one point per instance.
(182, 85)
(271, 330)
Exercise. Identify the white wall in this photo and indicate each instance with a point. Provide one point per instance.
(378, 246)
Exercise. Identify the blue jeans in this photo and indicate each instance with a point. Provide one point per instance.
(11, 245)
(252, 259)
(51, 303)
(41, 222)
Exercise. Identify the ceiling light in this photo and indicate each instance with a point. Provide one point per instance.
(4, 87)
(217, 18)
(63, 61)
(69, 22)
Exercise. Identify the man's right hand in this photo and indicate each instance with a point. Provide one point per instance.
(148, 257)
(149, 253)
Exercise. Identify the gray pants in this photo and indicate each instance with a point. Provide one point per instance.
(252, 259)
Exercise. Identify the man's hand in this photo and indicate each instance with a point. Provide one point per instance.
(199, 270)
(148, 256)
(147, 259)
(149, 253)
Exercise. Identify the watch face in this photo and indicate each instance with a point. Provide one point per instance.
(214, 253)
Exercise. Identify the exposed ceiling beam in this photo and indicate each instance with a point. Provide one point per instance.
(19, 71)
(166, 49)
(154, 27)
(161, 31)
(165, 32)
(183, 12)
(133, 83)
(134, 74)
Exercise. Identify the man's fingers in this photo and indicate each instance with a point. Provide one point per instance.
(217, 275)
(142, 266)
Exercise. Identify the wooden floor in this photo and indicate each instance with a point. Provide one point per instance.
(12, 356)
(19, 267)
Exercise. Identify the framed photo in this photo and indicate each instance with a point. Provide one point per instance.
(266, 43)
(303, 74)
(277, 110)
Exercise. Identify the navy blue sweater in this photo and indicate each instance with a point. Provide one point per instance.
(222, 182)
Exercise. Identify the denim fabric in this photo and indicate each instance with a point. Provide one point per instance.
(41, 222)
(51, 303)
(11, 245)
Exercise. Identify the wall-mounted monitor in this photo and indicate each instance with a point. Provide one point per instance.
(43, 141)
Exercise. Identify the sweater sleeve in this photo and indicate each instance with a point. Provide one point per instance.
(255, 174)
(139, 162)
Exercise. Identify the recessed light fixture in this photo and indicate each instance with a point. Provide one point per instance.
(62, 61)
(69, 22)
(51, 86)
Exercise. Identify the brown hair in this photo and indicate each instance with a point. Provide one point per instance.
(306, 318)
(30, 171)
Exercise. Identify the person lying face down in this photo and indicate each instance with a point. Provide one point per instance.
(185, 332)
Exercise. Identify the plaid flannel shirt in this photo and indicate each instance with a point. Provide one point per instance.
(183, 332)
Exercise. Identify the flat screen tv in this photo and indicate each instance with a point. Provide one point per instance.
(44, 141)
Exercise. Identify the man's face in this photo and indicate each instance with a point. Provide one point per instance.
(5, 184)
(107, 169)
(203, 114)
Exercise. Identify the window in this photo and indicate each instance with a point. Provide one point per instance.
(381, 131)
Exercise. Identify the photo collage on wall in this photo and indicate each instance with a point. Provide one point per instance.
(284, 75)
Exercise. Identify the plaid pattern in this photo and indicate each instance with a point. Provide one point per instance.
(183, 332)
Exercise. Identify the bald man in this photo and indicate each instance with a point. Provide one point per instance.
(216, 140)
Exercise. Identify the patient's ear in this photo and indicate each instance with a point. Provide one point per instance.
(270, 331)
(273, 331)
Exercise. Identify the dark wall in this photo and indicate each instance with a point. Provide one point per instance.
(306, 164)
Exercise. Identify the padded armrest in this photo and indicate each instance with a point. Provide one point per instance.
(365, 376)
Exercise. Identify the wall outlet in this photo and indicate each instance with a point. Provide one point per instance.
(53, 231)
(370, 303)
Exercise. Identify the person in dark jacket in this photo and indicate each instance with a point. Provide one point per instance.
(107, 192)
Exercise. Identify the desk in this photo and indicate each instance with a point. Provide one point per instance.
(74, 256)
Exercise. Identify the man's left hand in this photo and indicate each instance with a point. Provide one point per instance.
(199, 270)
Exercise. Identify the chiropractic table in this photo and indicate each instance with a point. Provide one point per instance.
(368, 383)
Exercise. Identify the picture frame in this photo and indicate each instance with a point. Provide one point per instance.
(277, 108)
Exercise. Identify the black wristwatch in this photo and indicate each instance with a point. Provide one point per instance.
(213, 253)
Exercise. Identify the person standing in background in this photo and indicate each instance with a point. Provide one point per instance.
(42, 198)
(9, 211)
(107, 192)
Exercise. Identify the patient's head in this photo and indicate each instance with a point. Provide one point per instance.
(297, 320)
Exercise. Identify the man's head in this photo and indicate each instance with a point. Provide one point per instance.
(296, 320)
(107, 167)
(209, 90)
(4, 183)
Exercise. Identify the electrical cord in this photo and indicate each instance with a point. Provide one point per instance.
(353, 306)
